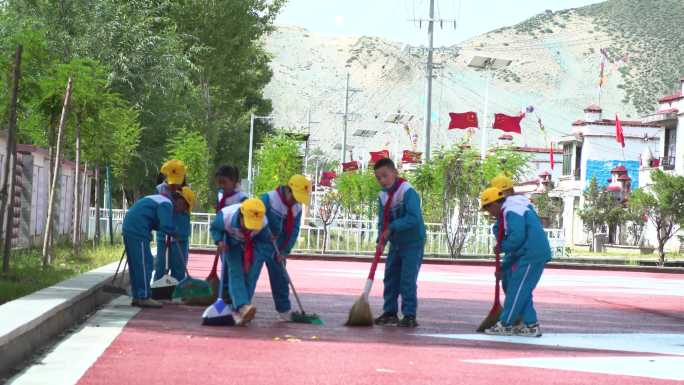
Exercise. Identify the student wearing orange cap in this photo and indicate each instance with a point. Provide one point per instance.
(239, 231)
(178, 255)
(173, 172)
(284, 212)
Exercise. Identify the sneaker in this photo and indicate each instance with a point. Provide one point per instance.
(285, 316)
(387, 319)
(532, 330)
(409, 321)
(244, 315)
(146, 302)
(500, 330)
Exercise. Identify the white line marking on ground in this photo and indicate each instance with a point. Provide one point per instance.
(70, 359)
(666, 344)
(660, 367)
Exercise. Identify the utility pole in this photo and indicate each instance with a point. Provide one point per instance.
(430, 65)
(345, 117)
(309, 122)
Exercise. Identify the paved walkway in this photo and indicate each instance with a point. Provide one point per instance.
(600, 328)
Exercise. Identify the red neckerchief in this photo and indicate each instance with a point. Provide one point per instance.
(248, 256)
(222, 203)
(390, 196)
(289, 220)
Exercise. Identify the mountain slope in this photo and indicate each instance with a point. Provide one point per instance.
(556, 59)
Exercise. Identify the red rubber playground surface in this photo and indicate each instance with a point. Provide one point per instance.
(600, 328)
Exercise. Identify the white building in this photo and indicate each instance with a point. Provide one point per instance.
(670, 156)
(592, 151)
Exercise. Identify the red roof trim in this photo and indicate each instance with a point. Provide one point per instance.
(610, 122)
(668, 111)
(624, 177)
(593, 108)
(614, 188)
(541, 150)
(619, 169)
(544, 173)
(671, 98)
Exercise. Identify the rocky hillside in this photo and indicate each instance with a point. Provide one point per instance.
(556, 60)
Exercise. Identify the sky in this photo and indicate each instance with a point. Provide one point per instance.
(390, 18)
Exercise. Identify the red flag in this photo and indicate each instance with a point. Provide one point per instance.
(508, 123)
(327, 177)
(410, 157)
(377, 155)
(350, 166)
(551, 155)
(619, 134)
(463, 120)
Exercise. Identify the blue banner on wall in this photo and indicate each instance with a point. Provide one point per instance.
(601, 170)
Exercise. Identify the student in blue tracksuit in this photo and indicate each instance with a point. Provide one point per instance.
(178, 255)
(171, 180)
(227, 180)
(239, 232)
(153, 212)
(284, 212)
(400, 222)
(527, 251)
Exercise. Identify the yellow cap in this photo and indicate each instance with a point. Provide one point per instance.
(253, 212)
(189, 197)
(301, 188)
(490, 195)
(174, 170)
(502, 182)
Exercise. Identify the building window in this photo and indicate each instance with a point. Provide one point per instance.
(578, 162)
(670, 154)
(567, 159)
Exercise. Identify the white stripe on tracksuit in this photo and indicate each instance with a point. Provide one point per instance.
(142, 260)
(517, 295)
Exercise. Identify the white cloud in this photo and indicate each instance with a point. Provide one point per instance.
(339, 21)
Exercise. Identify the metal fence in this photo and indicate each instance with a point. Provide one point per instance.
(344, 236)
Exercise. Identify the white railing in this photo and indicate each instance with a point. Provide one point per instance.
(344, 236)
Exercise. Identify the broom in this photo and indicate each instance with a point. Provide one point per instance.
(219, 313)
(360, 313)
(164, 287)
(112, 287)
(495, 312)
(301, 316)
(189, 287)
(214, 283)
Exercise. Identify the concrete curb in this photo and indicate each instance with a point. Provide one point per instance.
(568, 263)
(29, 323)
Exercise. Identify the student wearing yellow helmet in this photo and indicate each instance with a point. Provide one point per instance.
(178, 255)
(527, 250)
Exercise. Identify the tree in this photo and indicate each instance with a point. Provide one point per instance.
(549, 208)
(192, 149)
(663, 205)
(328, 209)
(277, 160)
(358, 193)
(450, 183)
(599, 206)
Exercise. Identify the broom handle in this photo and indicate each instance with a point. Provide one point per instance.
(216, 258)
(376, 259)
(119, 266)
(287, 275)
(180, 253)
(223, 267)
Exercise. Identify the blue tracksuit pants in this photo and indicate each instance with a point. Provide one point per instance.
(238, 283)
(177, 259)
(401, 278)
(520, 285)
(139, 257)
(280, 291)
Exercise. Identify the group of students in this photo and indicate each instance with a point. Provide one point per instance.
(252, 232)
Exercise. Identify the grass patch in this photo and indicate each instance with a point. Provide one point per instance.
(27, 275)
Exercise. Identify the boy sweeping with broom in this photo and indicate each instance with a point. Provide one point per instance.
(178, 255)
(400, 221)
(527, 251)
(153, 212)
(284, 212)
(238, 231)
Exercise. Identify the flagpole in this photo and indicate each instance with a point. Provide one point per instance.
(483, 140)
